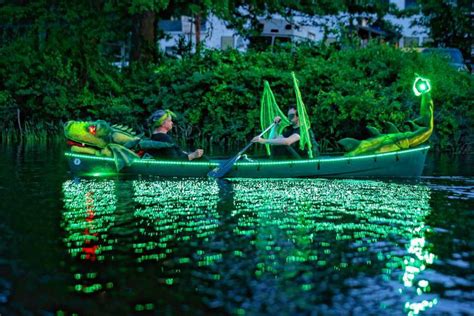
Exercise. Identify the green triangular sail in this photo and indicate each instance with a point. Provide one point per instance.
(305, 123)
(268, 110)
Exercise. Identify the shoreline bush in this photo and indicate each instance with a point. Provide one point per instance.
(217, 94)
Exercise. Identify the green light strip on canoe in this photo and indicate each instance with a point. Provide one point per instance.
(248, 164)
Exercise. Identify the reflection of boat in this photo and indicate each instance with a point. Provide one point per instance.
(289, 239)
(88, 215)
(306, 231)
(405, 163)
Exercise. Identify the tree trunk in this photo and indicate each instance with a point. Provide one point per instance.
(143, 37)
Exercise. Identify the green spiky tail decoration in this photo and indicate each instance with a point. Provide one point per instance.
(305, 123)
(396, 140)
(268, 110)
(122, 156)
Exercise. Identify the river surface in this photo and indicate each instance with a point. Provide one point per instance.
(151, 246)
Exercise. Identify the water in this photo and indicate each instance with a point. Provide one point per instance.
(144, 245)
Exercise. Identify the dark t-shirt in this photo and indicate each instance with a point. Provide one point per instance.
(167, 153)
(293, 151)
(290, 131)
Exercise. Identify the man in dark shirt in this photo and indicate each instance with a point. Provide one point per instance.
(286, 146)
(162, 121)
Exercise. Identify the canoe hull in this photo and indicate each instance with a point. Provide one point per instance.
(402, 164)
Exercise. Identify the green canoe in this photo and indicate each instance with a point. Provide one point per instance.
(405, 163)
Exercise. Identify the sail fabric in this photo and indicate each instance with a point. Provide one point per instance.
(305, 124)
(268, 110)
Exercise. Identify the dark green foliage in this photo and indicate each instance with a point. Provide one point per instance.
(55, 65)
(217, 94)
(449, 22)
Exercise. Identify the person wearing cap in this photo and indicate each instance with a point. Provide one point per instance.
(162, 123)
(285, 146)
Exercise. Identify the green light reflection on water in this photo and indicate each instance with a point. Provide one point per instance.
(171, 212)
(89, 212)
(313, 209)
(292, 232)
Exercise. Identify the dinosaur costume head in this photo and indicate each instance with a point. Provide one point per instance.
(99, 138)
(100, 134)
(95, 134)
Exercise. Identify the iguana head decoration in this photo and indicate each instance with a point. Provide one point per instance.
(99, 138)
(96, 134)
(422, 128)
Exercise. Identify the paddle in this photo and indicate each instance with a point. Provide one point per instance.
(225, 167)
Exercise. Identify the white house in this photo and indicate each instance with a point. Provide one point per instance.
(215, 34)
(412, 36)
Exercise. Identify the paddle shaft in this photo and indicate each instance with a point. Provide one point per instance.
(225, 167)
(250, 144)
(259, 135)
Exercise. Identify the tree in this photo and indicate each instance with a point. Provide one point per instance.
(449, 22)
(244, 15)
(196, 9)
(144, 28)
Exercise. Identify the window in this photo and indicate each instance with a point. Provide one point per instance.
(227, 42)
(239, 42)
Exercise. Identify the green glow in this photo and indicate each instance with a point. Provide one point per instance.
(176, 211)
(311, 209)
(288, 233)
(414, 266)
(250, 164)
(88, 157)
(86, 219)
(421, 86)
(101, 174)
(149, 306)
(307, 287)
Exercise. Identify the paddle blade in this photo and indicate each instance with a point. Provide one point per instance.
(224, 168)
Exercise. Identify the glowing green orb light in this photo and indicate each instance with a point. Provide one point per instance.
(421, 85)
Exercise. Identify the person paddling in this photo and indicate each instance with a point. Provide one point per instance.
(286, 145)
(162, 123)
